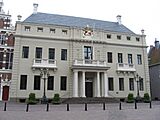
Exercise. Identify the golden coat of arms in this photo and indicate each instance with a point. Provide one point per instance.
(88, 31)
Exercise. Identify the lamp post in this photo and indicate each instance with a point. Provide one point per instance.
(137, 79)
(44, 75)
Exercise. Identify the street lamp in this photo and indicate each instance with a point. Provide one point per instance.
(137, 79)
(44, 75)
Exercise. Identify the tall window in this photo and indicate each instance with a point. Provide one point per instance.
(111, 84)
(129, 58)
(37, 82)
(23, 82)
(88, 52)
(141, 85)
(63, 83)
(121, 84)
(50, 84)
(120, 58)
(51, 53)
(25, 52)
(109, 57)
(139, 59)
(63, 54)
(38, 52)
(131, 84)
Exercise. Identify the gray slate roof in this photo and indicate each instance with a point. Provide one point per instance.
(45, 18)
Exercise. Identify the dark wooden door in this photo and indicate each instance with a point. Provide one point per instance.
(89, 89)
(5, 94)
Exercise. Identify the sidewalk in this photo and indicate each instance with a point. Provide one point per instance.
(77, 112)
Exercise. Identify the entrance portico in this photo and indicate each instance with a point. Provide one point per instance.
(90, 83)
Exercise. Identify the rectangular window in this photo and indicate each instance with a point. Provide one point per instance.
(119, 37)
(141, 85)
(64, 32)
(120, 58)
(130, 59)
(37, 82)
(50, 83)
(111, 84)
(128, 38)
(88, 52)
(51, 53)
(109, 36)
(39, 29)
(109, 57)
(63, 54)
(63, 83)
(131, 84)
(38, 52)
(25, 52)
(27, 28)
(23, 82)
(52, 30)
(139, 59)
(121, 84)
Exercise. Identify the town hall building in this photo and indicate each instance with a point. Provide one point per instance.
(77, 57)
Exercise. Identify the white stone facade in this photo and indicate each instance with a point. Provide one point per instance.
(84, 77)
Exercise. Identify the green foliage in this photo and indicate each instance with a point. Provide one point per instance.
(146, 98)
(130, 98)
(32, 99)
(56, 99)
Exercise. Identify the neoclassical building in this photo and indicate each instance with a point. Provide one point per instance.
(77, 57)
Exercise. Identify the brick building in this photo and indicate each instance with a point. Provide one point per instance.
(6, 52)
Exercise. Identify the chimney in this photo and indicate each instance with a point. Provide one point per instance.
(119, 19)
(35, 7)
(142, 31)
(156, 43)
(19, 17)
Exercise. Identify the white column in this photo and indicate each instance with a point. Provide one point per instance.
(75, 84)
(98, 85)
(105, 84)
(83, 84)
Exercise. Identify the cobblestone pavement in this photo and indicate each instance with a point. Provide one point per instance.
(17, 111)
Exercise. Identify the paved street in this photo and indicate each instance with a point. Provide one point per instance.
(16, 111)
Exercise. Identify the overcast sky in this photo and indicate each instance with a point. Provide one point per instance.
(136, 14)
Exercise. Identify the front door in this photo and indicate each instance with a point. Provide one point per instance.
(89, 89)
(5, 94)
